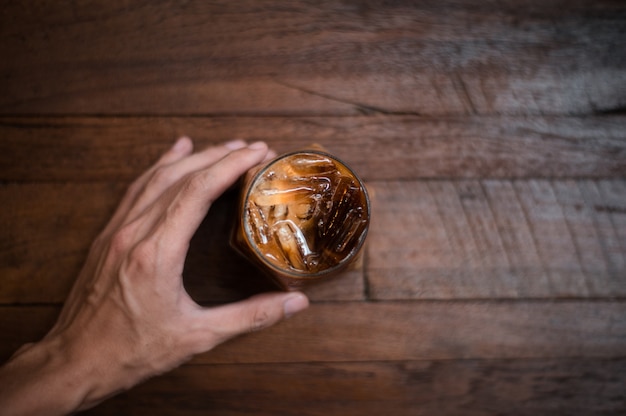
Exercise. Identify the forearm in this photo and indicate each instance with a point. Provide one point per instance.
(43, 379)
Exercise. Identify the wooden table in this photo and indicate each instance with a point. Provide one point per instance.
(492, 137)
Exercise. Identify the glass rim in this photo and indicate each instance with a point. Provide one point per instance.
(289, 271)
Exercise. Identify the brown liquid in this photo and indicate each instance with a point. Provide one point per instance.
(306, 213)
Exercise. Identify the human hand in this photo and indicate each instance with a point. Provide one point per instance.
(128, 316)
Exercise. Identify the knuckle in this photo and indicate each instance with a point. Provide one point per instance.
(196, 182)
(172, 211)
(140, 259)
(199, 184)
(122, 239)
(192, 184)
(261, 319)
(162, 176)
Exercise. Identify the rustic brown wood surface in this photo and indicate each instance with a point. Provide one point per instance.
(331, 57)
(430, 239)
(405, 147)
(465, 387)
(491, 135)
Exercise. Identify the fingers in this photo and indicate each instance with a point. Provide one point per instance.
(173, 165)
(165, 175)
(253, 314)
(190, 203)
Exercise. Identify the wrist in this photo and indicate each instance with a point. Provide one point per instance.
(88, 368)
(57, 377)
(41, 379)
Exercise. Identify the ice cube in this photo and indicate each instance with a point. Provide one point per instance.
(258, 223)
(294, 245)
(337, 205)
(311, 165)
(345, 232)
(281, 194)
(303, 210)
(290, 191)
(279, 212)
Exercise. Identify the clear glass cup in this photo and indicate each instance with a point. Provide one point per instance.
(303, 217)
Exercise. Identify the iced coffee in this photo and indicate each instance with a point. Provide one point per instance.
(304, 216)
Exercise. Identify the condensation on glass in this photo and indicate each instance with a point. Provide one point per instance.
(302, 217)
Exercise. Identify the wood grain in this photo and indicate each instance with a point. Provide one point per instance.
(469, 387)
(492, 136)
(392, 331)
(324, 58)
(380, 147)
(471, 239)
(497, 239)
(46, 234)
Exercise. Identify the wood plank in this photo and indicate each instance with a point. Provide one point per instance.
(497, 239)
(558, 251)
(609, 219)
(407, 330)
(404, 147)
(474, 387)
(46, 234)
(435, 330)
(446, 57)
(590, 242)
(428, 240)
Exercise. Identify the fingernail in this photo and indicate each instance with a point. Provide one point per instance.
(257, 146)
(295, 304)
(235, 144)
(181, 144)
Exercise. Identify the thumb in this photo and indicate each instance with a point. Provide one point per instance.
(253, 314)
